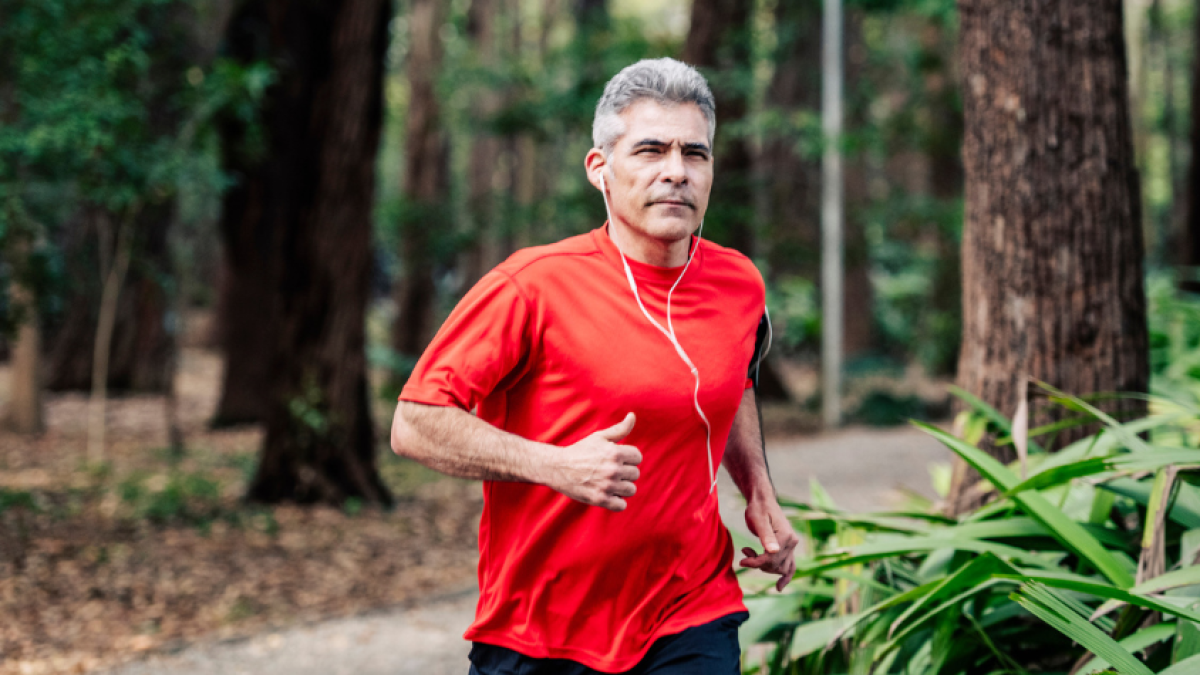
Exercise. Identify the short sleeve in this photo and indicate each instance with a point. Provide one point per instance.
(483, 341)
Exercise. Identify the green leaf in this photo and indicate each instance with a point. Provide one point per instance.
(1188, 666)
(894, 546)
(1186, 576)
(1189, 547)
(1133, 644)
(1186, 510)
(1187, 641)
(1101, 590)
(767, 614)
(970, 575)
(816, 635)
(1047, 606)
(820, 498)
(865, 522)
(1070, 533)
(1131, 440)
(994, 416)
(1149, 461)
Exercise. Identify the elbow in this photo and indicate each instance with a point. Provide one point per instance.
(403, 435)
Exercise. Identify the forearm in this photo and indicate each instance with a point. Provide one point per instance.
(745, 456)
(457, 443)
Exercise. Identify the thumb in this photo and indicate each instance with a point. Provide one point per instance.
(767, 536)
(619, 430)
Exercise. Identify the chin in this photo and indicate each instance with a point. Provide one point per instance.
(671, 229)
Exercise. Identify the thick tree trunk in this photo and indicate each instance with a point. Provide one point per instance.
(718, 42)
(426, 181)
(1052, 249)
(306, 208)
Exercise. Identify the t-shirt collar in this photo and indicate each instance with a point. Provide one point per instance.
(643, 272)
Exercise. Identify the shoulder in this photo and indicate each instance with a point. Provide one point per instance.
(731, 264)
(529, 263)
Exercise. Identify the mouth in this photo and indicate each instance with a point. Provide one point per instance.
(674, 202)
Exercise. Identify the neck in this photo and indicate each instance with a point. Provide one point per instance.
(648, 250)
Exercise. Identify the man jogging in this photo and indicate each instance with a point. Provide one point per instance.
(608, 374)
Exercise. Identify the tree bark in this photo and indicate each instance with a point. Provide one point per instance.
(792, 181)
(26, 412)
(304, 211)
(251, 213)
(426, 181)
(1190, 251)
(1052, 248)
(482, 253)
(718, 43)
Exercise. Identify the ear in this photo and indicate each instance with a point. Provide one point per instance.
(595, 163)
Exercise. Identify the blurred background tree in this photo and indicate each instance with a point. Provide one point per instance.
(329, 205)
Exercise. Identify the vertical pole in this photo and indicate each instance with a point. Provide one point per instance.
(831, 216)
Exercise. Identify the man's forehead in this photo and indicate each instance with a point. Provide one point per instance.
(649, 119)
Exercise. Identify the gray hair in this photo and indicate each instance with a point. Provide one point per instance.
(664, 81)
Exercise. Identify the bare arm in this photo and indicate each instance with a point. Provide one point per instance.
(597, 470)
(746, 460)
(745, 452)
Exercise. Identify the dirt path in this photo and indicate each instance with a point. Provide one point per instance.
(860, 468)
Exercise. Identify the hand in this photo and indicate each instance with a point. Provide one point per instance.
(766, 520)
(597, 470)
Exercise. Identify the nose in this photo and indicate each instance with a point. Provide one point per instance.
(674, 170)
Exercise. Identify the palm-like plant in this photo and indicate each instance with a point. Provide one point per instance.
(1085, 561)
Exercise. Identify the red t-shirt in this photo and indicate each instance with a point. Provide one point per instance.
(551, 346)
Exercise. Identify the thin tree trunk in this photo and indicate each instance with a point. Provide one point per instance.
(26, 412)
(482, 254)
(425, 185)
(306, 208)
(140, 351)
(112, 270)
(1190, 250)
(1052, 249)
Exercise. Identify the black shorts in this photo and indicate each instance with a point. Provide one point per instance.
(708, 649)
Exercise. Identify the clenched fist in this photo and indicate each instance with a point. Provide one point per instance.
(598, 470)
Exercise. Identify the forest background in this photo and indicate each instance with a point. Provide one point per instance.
(228, 229)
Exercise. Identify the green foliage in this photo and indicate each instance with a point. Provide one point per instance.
(102, 113)
(188, 498)
(17, 499)
(1028, 583)
(1174, 331)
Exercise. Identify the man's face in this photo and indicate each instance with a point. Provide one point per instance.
(660, 172)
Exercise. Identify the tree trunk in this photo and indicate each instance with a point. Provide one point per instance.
(718, 42)
(426, 180)
(791, 181)
(306, 207)
(1190, 251)
(483, 252)
(1052, 248)
(25, 411)
(251, 213)
(140, 354)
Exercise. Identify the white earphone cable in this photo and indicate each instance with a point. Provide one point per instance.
(669, 332)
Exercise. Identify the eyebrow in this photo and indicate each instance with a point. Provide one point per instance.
(655, 143)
